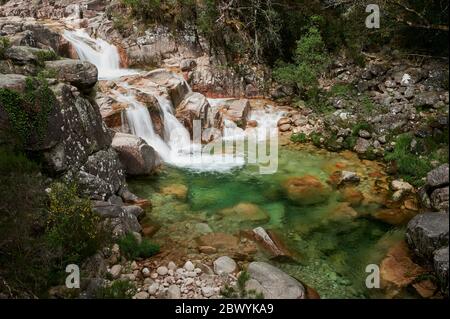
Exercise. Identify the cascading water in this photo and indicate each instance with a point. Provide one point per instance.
(176, 148)
(99, 52)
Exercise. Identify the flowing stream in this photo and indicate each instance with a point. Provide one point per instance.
(335, 246)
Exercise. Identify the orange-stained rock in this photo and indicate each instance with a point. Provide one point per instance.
(246, 212)
(425, 288)
(397, 270)
(342, 211)
(218, 241)
(179, 191)
(306, 190)
(352, 195)
(395, 216)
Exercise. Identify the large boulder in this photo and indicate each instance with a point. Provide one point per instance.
(194, 107)
(21, 54)
(136, 156)
(13, 82)
(440, 263)
(427, 233)
(305, 190)
(238, 112)
(438, 177)
(122, 219)
(439, 199)
(101, 176)
(81, 74)
(176, 87)
(274, 283)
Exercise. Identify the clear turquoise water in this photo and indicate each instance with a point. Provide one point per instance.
(333, 252)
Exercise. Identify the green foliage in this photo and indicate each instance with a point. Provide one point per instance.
(72, 227)
(119, 289)
(4, 44)
(28, 112)
(46, 55)
(315, 138)
(299, 138)
(410, 166)
(360, 127)
(310, 61)
(132, 249)
(239, 292)
(24, 256)
(342, 90)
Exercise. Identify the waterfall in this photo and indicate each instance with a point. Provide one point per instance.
(175, 147)
(99, 52)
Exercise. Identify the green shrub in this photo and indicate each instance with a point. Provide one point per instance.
(239, 292)
(24, 256)
(410, 166)
(315, 138)
(299, 138)
(4, 44)
(361, 126)
(119, 289)
(46, 55)
(132, 249)
(342, 90)
(72, 227)
(28, 112)
(310, 60)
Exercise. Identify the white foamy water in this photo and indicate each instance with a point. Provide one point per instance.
(99, 52)
(175, 147)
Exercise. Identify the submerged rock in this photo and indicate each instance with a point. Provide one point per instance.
(397, 270)
(274, 283)
(246, 212)
(306, 190)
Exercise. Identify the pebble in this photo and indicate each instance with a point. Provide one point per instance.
(154, 275)
(189, 266)
(208, 291)
(146, 272)
(162, 271)
(153, 288)
(172, 266)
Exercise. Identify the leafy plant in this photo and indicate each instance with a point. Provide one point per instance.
(299, 138)
(310, 60)
(72, 227)
(239, 292)
(28, 111)
(132, 249)
(119, 289)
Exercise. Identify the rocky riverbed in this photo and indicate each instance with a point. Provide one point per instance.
(329, 211)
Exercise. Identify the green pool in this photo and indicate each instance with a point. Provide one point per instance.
(332, 240)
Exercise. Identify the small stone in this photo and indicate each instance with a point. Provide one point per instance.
(208, 291)
(154, 275)
(153, 288)
(162, 271)
(141, 295)
(146, 272)
(172, 266)
(173, 292)
(189, 266)
(115, 271)
(224, 265)
(134, 265)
